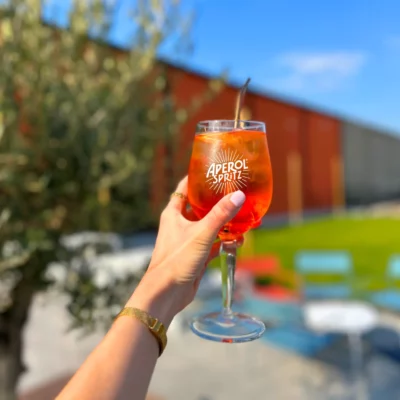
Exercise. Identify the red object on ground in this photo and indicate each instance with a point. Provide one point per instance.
(259, 266)
(276, 293)
(267, 266)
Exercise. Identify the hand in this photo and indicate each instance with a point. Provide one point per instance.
(183, 249)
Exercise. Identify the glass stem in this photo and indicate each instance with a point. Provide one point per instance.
(228, 266)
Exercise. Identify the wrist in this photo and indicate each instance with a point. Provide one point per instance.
(155, 294)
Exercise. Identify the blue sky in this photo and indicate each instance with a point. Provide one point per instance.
(342, 56)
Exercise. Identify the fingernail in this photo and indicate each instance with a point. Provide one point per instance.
(238, 198)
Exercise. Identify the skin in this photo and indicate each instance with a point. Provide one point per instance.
(121, 366)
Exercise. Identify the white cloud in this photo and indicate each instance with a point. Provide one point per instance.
(320, 70)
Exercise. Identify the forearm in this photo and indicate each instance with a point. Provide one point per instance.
(119, 368)
(122, 364)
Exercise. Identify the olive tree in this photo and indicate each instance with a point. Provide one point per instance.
(79, 124)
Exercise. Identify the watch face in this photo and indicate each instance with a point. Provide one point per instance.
(156, 325)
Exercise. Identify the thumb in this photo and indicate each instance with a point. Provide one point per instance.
(222, 213)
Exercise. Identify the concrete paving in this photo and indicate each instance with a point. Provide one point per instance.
(50, 351)
(195, 369)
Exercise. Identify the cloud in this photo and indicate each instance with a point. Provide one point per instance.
(321, 71)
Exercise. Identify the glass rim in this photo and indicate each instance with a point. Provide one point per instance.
(229, 124)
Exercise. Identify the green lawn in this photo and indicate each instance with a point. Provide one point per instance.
(370, 241)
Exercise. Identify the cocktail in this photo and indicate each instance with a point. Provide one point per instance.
(230, 155)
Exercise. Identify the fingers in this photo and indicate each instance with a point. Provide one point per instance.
(199, 278)
(222, 213)
(214, 252)
(178, 199)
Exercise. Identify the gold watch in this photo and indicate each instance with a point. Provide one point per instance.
(155, 326)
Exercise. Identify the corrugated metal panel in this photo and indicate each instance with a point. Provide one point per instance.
(188, 88)
(321, 152)
(283, 130)
(283, 127)
(371, 164)
(185, 88)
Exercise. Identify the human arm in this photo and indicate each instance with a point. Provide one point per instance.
(122, 364)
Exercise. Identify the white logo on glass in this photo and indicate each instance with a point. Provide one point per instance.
(227, 172)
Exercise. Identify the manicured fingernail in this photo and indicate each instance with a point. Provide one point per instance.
(238, 198)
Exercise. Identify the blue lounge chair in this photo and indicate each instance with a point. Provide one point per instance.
(390, 297)
(332, 263)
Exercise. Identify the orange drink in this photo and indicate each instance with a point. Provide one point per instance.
(223, 162)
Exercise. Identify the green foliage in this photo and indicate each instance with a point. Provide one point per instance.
(79, 124)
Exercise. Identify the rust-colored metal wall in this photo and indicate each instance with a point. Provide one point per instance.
(283, 134)
(188, 88)
(283, 127)
(321, 159)
(305, 146)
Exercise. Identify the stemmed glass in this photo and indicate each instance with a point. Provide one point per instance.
(230, 155)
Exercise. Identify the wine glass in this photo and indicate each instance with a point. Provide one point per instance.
(230, 155)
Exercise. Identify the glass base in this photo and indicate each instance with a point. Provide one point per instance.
(236, 328)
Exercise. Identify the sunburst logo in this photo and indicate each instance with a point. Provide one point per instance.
(227, 172)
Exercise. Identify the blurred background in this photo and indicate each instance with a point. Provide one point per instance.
(99, 102)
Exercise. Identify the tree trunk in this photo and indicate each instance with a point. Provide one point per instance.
(12, 323)
(7, 382)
